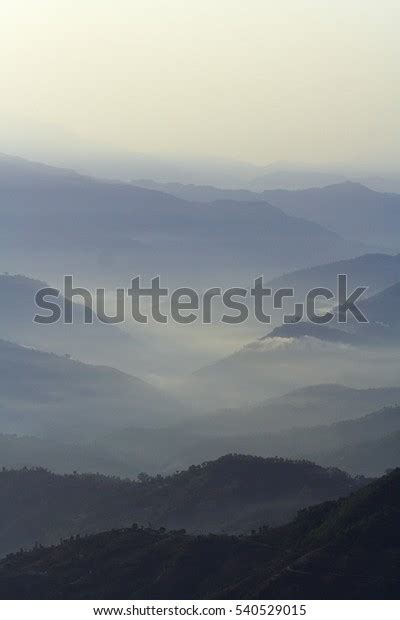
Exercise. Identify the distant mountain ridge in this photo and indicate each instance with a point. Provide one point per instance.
(376, 271)
(309, 406)
(52, 396)
(367, 457)
(318, 424)
(91, 343)
(346, 207)
(342, 352)
(384, 306)
(17, 170)
(295, 357)
(136, 226)
(131, 450)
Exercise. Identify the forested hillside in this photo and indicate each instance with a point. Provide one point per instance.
(344, 549)
(233, 494)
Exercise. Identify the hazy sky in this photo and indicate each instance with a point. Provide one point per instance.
(257, 80)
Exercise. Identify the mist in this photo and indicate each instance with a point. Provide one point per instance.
(199, 301)
(258, 83)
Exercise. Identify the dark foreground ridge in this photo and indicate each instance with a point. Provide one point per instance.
(233, 494)
(348, 548)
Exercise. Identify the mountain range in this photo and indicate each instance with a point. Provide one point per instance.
(309, 406)
(298, 354)
(309, 430)
(235, 493)
(94, 343)
(345, 549)
(115, 228)
(47, 395)
(118, 488)
(348, 208)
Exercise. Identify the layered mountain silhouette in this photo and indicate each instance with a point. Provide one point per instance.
(292, 179)
(198, 193)
(52, 396)
(351, 209)
(17, 171)
(198, 484)
(291, 358)
(375, 271)
(95, 343)
(344, 549)
(381, 327)
(296, 426)
(347, 208)
(234, 493)
(299, 353)
(309, 406)
(382, 311)
(367, 457)
(114, 228)
(127, 348)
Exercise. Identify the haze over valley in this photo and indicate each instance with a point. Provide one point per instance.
(199, 301)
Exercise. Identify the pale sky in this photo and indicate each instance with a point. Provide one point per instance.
(256, 80)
